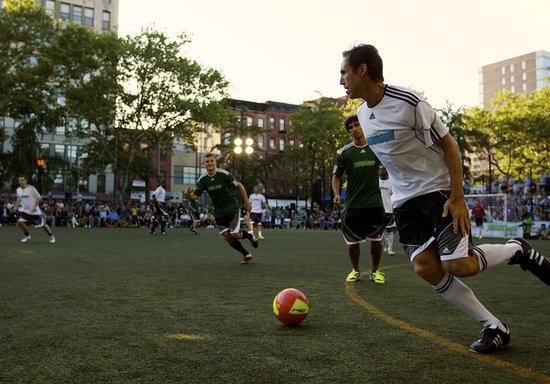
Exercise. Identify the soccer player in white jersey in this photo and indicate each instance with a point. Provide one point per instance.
(258, 202)
(159, 196)
(428, 199)
(28, 206)
(384, 184)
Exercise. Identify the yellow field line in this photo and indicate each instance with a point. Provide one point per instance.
(445, 343)
(185, 337)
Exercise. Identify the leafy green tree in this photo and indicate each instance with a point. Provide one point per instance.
(318, 126)
(162, 96)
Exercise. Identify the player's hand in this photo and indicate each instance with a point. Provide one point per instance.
(461, 216)
(247, 207)
(188, 192)
(337, 201)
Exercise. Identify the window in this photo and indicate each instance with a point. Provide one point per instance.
(271, 143)
(291, 142)
(17, 124)
(65, 11)
(513, 89)
(260, 141)
(2, 122)
(523, 65)
(226, 138)
(60, 130)
(77, 14)
(44, 149)
(106, 2)
(524, 76)
(61, 101)
(178, 174)
(282, 144)
(72, 151)
(502, 70)
(101, 183)
(271, 123)
(106, 20)
(261, 122)
(189, 175)
(50, 6)
(511, 68)
(71, 124)
(524, 87)
(503, 81)
(89, 17)
(281, 124)
(249, 121)
(60, 151)
(512, 79)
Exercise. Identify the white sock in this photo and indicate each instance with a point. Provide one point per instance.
(457, 293)
(490, 255)
(390, 242)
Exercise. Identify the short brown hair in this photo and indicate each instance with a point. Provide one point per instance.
(367, 54)
(349, 121)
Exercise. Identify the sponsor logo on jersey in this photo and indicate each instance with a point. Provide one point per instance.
(363, 163)
(381, 138)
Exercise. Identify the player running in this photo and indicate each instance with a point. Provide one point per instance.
(258, 202)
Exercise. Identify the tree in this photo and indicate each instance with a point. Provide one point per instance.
(454, 120)
(318, 126)
(162, 96)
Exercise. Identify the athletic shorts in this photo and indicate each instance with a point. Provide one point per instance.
(36, 220)
(361, 224)
(420, 224)
(256, 217)
(231, 223)
(479, 222)
(160, 210)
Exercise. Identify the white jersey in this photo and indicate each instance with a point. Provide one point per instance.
(160, 194)
(28, 200)
(386, 192)
(256, 200)
(401, 130)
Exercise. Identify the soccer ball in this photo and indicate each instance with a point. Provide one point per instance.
(290, 306)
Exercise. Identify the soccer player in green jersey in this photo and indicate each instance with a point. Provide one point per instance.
(363, 217)
(221, 185)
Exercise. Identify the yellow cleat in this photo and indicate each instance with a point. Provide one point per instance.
(353, 276)
(378, 277)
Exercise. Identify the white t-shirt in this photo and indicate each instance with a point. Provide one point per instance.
(256, 200)
(28, 200)
(386, 192)
(401, 130)
(160, 194)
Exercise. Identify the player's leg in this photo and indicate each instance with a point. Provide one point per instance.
(22, 222)
(229, 227)
(42, 223)
(259, 225)
(354, 234)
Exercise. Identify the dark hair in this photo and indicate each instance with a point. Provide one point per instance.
(209, 154)
(349, 121)
(23, 176)
(367, 54)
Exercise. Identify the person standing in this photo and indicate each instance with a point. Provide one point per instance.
(386, 192)
(478, 213)
(363, 217)
(159, 197)
(221, 185)
(258, 202)
(431, 214)
(28, 205)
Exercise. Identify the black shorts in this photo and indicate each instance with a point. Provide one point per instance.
(256, 217)
(160, 210)
(36, 220)
(479, 222)
(231, 223)
(419, 223)
(360, 224)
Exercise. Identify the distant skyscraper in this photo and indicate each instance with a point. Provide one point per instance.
(525, 73)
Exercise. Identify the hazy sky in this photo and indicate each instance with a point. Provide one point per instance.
(290, 50)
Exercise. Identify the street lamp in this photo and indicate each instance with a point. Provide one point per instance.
(238, 149)
(40, 164)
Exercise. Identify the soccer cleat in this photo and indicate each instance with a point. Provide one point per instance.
(353, 276)
(246, 259)
(492, 340)
(260, 236)
(378, 277)
(163, 233)
(530, 260)
(253, 241)
(52, 239)
(194, 232)
(26, 238)
(391, 253)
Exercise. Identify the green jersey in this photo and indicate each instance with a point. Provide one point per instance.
(361, 167)
(220, 187)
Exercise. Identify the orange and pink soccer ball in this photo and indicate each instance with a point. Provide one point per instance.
(290, 306)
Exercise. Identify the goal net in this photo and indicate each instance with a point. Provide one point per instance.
(500, 215)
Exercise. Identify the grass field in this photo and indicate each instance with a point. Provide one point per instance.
(121, 306)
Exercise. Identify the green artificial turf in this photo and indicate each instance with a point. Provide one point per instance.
(121, 306)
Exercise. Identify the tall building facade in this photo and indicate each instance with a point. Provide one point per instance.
(99, 16)
(525, 73)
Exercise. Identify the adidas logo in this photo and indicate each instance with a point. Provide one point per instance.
(372, 117)
(446, 251)
(363, 151)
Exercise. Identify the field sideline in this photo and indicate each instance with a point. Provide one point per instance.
(121, 306)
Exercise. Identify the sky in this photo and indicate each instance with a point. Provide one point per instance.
(291, 50)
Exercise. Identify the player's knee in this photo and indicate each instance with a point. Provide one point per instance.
(428, 269)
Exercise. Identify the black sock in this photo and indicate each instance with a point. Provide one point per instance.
(236, 244)
(246, 235)
(162, 225)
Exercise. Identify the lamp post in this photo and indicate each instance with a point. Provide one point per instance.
(40, 164)
(238, 148)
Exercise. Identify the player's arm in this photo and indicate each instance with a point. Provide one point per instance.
(189, 193)
(244, 197)
(455, 205)
(16, 205)
(336, 184)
